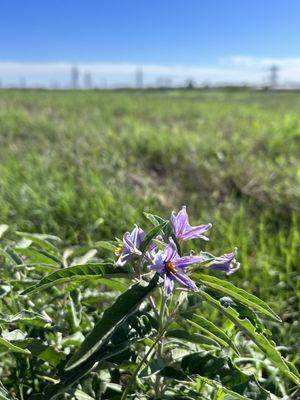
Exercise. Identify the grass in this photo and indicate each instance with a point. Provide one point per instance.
(84, 165)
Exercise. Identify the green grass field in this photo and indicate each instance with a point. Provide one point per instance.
(84, 165)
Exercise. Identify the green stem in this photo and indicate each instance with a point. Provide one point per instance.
(153, 305)
(157, 384)
(139, 366)
(158, 341)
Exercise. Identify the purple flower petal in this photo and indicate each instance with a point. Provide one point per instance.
(131, 243)
(169, 285)
(137, 236)
(183, 230)
(226, 263)
(183, 262)
(159, 264)
(167, 263)
(179, 221)
(170, 251)
(185, 281)
(196, 232)
(128, 244)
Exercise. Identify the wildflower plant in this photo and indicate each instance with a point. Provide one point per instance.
(134, 318)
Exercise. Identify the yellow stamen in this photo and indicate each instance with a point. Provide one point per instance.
(119, 249)
(170, 267)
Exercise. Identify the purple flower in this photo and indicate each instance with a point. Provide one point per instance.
(183, 230)
(226, 263)
(171, 266)
(130, 246)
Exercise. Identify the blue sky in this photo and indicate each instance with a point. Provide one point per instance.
(205, 35)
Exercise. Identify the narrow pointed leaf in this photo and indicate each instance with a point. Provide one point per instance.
(40, 240)
(78, 272)
(4, 395)
(154, 219)
(258, 338)
(8, 257)
(42, 351)
(210, 329)
(207, 365)
(25, 317)
(39, 256)
(111, 246)
(3, 229)
(239, 294)
(10, 347)
(151, 235)
(192, 337)
(123, 307)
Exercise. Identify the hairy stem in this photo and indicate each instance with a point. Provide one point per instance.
(139, 366)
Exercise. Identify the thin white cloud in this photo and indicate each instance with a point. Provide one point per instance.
(232, 70)
(288, 68)
(254, 62)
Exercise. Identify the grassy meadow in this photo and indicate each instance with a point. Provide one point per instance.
(84, 165)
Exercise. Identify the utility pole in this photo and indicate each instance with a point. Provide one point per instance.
(74, 77)
(274, 69)
(139, 78)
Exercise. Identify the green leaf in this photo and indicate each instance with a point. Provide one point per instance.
(111, 246)
(154, 219)
(39, 256)
(243, 312)
(153, 367)
(211, 330)
(111, 350)
(73, 340)
(81, 272)
(3, 229)
(152, 234)
(68, 378)
(42, 351)
(8, 257)
(25, 317)
(4, 290)
(4, 395)
(258, 338)
(173, 373)
(41, 241)
(241, 295)
(37, 267)
(123, 307)
(160, 245)
(207, 365)
(85, 258)
(10, 347)
(13, 253)
(192, 337)
(13, 335)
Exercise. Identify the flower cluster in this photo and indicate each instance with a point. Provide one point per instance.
(167, 262)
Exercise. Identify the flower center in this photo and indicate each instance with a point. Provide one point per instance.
(170, 267)
(119, 249)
